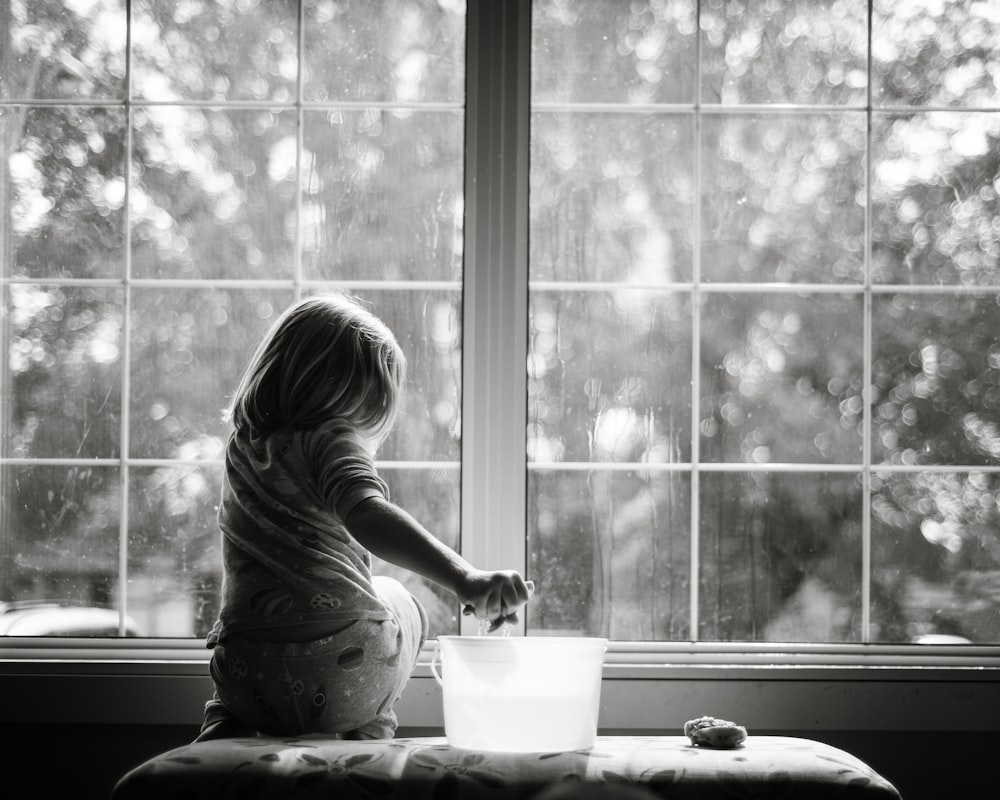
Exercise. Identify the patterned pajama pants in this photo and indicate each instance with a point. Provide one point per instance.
(345, 684)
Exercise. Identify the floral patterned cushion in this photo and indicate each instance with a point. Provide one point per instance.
(662, 766)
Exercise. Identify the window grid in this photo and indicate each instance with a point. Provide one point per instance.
(298, 283)
(696, 289)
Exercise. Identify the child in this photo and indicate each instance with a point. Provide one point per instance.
(307, 640)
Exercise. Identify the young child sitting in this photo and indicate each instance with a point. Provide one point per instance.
(308, 641)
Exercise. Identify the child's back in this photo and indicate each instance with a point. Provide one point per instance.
(307, 639)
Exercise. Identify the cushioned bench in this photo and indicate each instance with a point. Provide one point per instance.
(666, 766)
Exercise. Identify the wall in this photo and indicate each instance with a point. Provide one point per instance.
(83, 761)
(73, 735)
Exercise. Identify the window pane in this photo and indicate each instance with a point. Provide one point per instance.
(609, 377)
(248, 183)
(592, 51)
(780, 557)
(612, 197)
(63, 361)
(609, 381)
(935, 568)
(794, 51)
(65, 173)
(52, 50)
(383, 195)
(213, 193)
(403, 51)
(214, 51)
(935, 54)
(782, 378)
(174, 549)
(936, 371)
(428, 327)
(60, 547)
(609, 552)
(935, 207)
(783, 198)
(189, 349)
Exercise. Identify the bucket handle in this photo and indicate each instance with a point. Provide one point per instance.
(434, 662)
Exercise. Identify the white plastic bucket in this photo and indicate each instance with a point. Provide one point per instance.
(520, 694)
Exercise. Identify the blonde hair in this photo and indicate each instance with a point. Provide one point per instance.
(326, 357)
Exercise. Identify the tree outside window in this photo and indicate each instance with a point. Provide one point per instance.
(762, 366)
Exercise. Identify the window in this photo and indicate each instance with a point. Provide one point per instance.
(763, 283)
(748, 255)
(177, 174)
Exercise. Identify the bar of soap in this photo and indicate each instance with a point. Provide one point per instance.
(714, 732)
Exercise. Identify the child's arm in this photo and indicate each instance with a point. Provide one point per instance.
(393, 535)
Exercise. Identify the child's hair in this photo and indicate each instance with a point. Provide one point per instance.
(325, 358)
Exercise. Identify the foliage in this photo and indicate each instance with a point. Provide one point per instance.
(146, 246)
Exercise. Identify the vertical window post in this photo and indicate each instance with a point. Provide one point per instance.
(495, 286)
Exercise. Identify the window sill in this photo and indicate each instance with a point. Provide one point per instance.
(647, 687)
(642, 656)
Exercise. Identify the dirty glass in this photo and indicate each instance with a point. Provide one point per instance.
(156, 220)
(824, 234)
(610, 551)
(782, 378)
(213, 193)
(762, 352)
(934, 571)
(802, 52)
(174, 591)
(935, 54)
(595, 51)
(632, 208)
(758, 172)
(936, 380)
(609, 382)
(64, 191)
(609, 376)
(63, 355)
(360, 210)
(214, 51)
(188, 350)
(780, 556)
(406, 52)
(935, 208)
(60, 542)
(71, 50)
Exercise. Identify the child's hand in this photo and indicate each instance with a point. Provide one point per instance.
(494, 596)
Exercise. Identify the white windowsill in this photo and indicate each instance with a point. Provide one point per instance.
(620, 654)
(647, 687)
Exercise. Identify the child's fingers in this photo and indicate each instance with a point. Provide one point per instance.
(510, 619)
(502, 602)
(515, 593)
(495, 623)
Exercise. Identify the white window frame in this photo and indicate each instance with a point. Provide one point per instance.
(648, 686)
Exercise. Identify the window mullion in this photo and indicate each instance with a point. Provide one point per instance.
(494, 413)
(694, 597)
(124, 471)
(867, 361)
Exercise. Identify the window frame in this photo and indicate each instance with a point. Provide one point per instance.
(97, 673)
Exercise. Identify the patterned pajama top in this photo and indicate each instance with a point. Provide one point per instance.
(287, 555)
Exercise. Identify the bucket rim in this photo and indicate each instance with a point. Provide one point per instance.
(536, 641)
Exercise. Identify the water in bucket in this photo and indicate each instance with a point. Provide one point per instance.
(520, 694)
